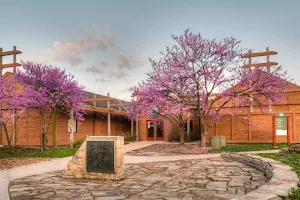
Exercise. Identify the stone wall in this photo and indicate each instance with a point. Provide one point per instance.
(295, 149)
(76, 168)
(282, 178)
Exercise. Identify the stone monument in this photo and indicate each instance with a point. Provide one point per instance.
(99, 157)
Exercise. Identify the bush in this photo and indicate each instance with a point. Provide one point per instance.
(78, 143)
(174, 136)
(127, 136)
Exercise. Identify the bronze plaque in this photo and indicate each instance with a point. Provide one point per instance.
(100, 156)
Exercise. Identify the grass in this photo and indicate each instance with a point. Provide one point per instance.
(291, 159)
(246, 147)
(35, 153)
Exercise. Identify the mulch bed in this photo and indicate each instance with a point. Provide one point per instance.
(169, 149)
(8, 163)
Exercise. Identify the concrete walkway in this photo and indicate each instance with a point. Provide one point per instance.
(58, 164)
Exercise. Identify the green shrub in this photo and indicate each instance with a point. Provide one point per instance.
(78, 143)
(127, 136)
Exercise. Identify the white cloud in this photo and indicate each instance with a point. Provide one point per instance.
(95, 69)
(124, 64)
(71, 52)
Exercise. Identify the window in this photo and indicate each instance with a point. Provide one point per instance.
(75, 126)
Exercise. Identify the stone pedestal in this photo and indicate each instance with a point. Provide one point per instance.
(77, 167)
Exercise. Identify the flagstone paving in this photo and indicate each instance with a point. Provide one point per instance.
(207, 179)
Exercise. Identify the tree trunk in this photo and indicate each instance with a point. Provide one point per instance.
(181, 135)
(55, 129)
(44, 132)
(7, 136)
(203, 139)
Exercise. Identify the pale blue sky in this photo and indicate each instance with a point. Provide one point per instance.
(106, 44)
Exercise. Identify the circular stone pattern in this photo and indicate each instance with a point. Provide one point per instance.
(215, 178)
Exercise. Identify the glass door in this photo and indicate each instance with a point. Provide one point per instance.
(160, 130)
(150, 130)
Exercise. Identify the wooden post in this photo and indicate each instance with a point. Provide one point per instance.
(94, 123)
(54, 139)
(14, 52)
(294, 127)
(188, 124)
(268, 59)
(274, 131)
(250, 59)
(131, 128)
(249, 128)
(232, 128)
(137, 126)
(108, 117)
(288, 131)
(14, 128)
(71, 128)
(94, 102)
(0, 77)
(1, 62)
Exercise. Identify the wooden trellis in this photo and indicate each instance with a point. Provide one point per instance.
(14, 64)
(267, 53)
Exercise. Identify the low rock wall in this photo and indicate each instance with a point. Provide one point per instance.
(282, 178)
(294, 149)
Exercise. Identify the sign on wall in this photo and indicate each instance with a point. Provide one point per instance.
(281, 124)
(75, 125)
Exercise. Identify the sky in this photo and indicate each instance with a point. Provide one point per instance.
(106, 45)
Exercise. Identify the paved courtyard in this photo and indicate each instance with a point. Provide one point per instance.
(207, 179)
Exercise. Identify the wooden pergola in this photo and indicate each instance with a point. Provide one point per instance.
(108, 110)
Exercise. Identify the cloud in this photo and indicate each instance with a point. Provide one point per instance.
(125, 64)
(71, 52)
(127, 61)
(102, 80)
(95, 69)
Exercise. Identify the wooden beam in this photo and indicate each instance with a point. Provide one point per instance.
(119, 112)
(248, 55)
(10, 65)
(97, 109)
(99, 99)
(260, 65)
(118, 104)
(8, 53)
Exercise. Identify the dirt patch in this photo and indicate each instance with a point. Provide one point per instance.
(8, 163)
(169, 150)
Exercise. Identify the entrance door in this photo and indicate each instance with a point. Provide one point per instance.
(150, 130)
(160, 130)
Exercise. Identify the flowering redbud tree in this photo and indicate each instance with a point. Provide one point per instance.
(53, 91)
(210, 81)
(13, 105)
